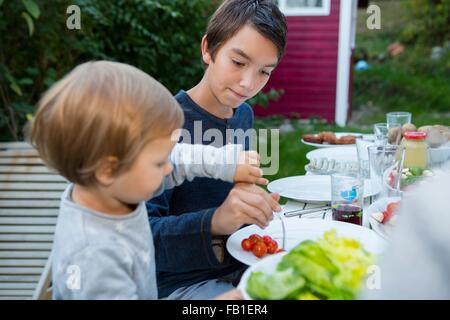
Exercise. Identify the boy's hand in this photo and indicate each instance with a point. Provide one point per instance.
(248, 170)
(245, 204)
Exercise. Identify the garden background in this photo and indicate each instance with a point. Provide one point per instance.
(162, 38)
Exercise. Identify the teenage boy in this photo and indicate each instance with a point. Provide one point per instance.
(244, 42)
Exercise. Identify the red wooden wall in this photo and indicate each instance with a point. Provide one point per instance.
(308, 69)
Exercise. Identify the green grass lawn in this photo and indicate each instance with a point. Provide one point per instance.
(410, 82)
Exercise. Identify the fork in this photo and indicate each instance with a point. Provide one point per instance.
(301, 212)
(292, 213)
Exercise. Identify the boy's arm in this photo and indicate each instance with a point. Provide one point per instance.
(197, 160)
(179, 238)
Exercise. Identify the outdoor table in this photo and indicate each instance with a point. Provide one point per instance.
(324, 214)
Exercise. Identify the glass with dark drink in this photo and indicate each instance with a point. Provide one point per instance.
(347, 213)
(347, 196)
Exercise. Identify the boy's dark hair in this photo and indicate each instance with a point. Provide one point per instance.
(232, 15)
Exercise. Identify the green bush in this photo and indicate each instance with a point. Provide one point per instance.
(160, 37)
(263, 99)
(430, 21)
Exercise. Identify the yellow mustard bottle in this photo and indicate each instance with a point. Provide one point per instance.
(416, 150)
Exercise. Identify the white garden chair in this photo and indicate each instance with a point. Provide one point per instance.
(29, 201)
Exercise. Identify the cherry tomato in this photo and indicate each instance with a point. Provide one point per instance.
(259, 249)
(391, 207)
(247, 245)
(267, 239)
(254, 238)
(391, 180)
(272, 247)
(280, 250)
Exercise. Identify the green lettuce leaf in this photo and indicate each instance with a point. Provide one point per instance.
(276, 286)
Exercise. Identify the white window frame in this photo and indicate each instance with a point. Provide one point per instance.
(323, 11)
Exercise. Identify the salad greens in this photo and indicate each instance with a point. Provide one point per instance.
(413, 175)
(277, 286)
(330, 268)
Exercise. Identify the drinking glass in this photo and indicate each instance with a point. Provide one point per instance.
(347, 197)
(397, 117)
(382, 158)
(380, 131)
(362, 151)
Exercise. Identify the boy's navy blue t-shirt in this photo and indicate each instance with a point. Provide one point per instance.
(181, 218)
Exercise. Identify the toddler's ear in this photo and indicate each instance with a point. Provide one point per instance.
(205, 52)
(106, 170)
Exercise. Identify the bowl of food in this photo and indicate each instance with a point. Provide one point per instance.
(333, 266)
(408, 177)
(438, 140)
(383, 215)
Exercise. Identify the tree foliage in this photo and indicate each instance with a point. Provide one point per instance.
(36, 48)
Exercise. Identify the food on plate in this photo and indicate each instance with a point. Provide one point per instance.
(408, 127)
(330, 268)
(247, 245)
(259, 249)
(348, 139)
(437, 135)
(389, 214)
(394, 135)
(260, 245)
(409, 177)
(312, 138)
(328, 137)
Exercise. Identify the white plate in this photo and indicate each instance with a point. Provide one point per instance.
(310, 188)
(338, 135)
(347, 154)
(384, 230)
(298, 230)
(332, 167)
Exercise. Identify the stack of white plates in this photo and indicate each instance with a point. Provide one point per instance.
(332, 160)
